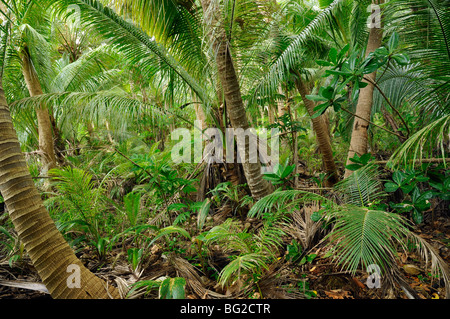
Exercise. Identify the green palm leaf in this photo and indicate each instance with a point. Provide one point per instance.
(131, 41)
(364, 237)
(293, 53)
(248, 263)
(423, 144)
(361, 188)
(284, 200)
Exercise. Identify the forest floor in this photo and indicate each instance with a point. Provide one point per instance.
(318, 279)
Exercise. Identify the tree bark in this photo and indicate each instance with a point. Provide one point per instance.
(321, 129)
(46, 143)
(50, 254)
(259, 187)
(359, 138)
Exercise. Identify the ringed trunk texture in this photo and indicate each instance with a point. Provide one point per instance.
(321, 128)
(259, 187)
(359, 138)
(46, 143)
(50, 254)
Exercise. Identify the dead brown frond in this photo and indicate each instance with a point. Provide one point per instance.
(304, 229)
(438, 265)
(193, 279)
(277, 283)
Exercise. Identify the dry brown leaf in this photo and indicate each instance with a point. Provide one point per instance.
(338, 294)
(359, 283)
(412, 269)
(403, 257)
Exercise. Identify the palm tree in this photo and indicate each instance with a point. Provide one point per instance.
(293, 54)
(31, 43)
(358, 142)
(50, 254)
(160, 49)
(320, 127)
(233, 98)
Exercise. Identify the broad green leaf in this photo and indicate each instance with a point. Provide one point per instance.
(315, 98)
(333, 55)
(327, 92)
(288, 170)
(381, 52)
(393, 42)
(319, 110)
(353, 167)
(390, 187)
(401, 59)
(365, 158)
(172, 288)
(343, 51)
(398, 177)
(323, 63)
(311, 257)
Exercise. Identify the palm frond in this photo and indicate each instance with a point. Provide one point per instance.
(247, 263)
(439, 268)
(230, 235)
(425, 29)
(75, 76)
(364, 237)
(131, 41)
(425, 143)
(284, 200)
(361, 188)
(291, 56)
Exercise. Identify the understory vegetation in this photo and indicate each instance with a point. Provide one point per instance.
(95, 89)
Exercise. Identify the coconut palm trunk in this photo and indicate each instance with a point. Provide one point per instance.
(46, 142)
(359, 138)
(259, 187)
(59, 269)
(321, 129)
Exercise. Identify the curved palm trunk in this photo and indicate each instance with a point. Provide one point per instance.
(320, 127)
(50, 254)
(358, 142)
(259, 187)
(46, 143)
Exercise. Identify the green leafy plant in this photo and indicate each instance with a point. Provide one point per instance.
(303, 286)
(172, 288)
(255, 251)
(414, 200)
(287, 124)
(281, 174)
(294, 251)
(359, 161)
(440, 182)
(147, 285)
(12, 246)
(308, 259)
(349, 72)
(132, 207)
(84, 207)
(135, 257)
(228, 194)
